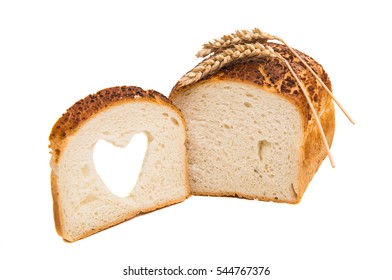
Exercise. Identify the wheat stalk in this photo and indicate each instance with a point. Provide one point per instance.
(225, 57)
(238, 37)
(318, 79)
(306, 94)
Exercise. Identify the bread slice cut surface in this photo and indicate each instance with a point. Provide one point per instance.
(83, 204)
(243, 141)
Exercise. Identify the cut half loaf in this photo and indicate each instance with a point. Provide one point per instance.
(250, 130)
(82, 203)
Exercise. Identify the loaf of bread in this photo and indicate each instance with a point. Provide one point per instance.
(82, 203)
(251, 132)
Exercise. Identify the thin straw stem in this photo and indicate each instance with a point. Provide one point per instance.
(319, 80)
(311, 108)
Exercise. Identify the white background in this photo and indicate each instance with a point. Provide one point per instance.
(53, 53)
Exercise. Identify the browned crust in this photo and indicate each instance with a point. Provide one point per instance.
(313, 151)
(69, 123)
(85, 108)
(273, 76)
(58, 221)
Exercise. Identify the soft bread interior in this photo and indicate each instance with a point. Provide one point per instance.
(242, 141)
(86, 204)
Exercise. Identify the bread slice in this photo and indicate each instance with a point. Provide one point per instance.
(82, 203)
(250, 130)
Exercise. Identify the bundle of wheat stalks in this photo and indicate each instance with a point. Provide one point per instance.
(245, 44)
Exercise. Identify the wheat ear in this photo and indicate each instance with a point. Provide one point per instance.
(223, 58)
(238, 37)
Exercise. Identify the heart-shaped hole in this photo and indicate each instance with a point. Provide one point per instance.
(119, 167)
